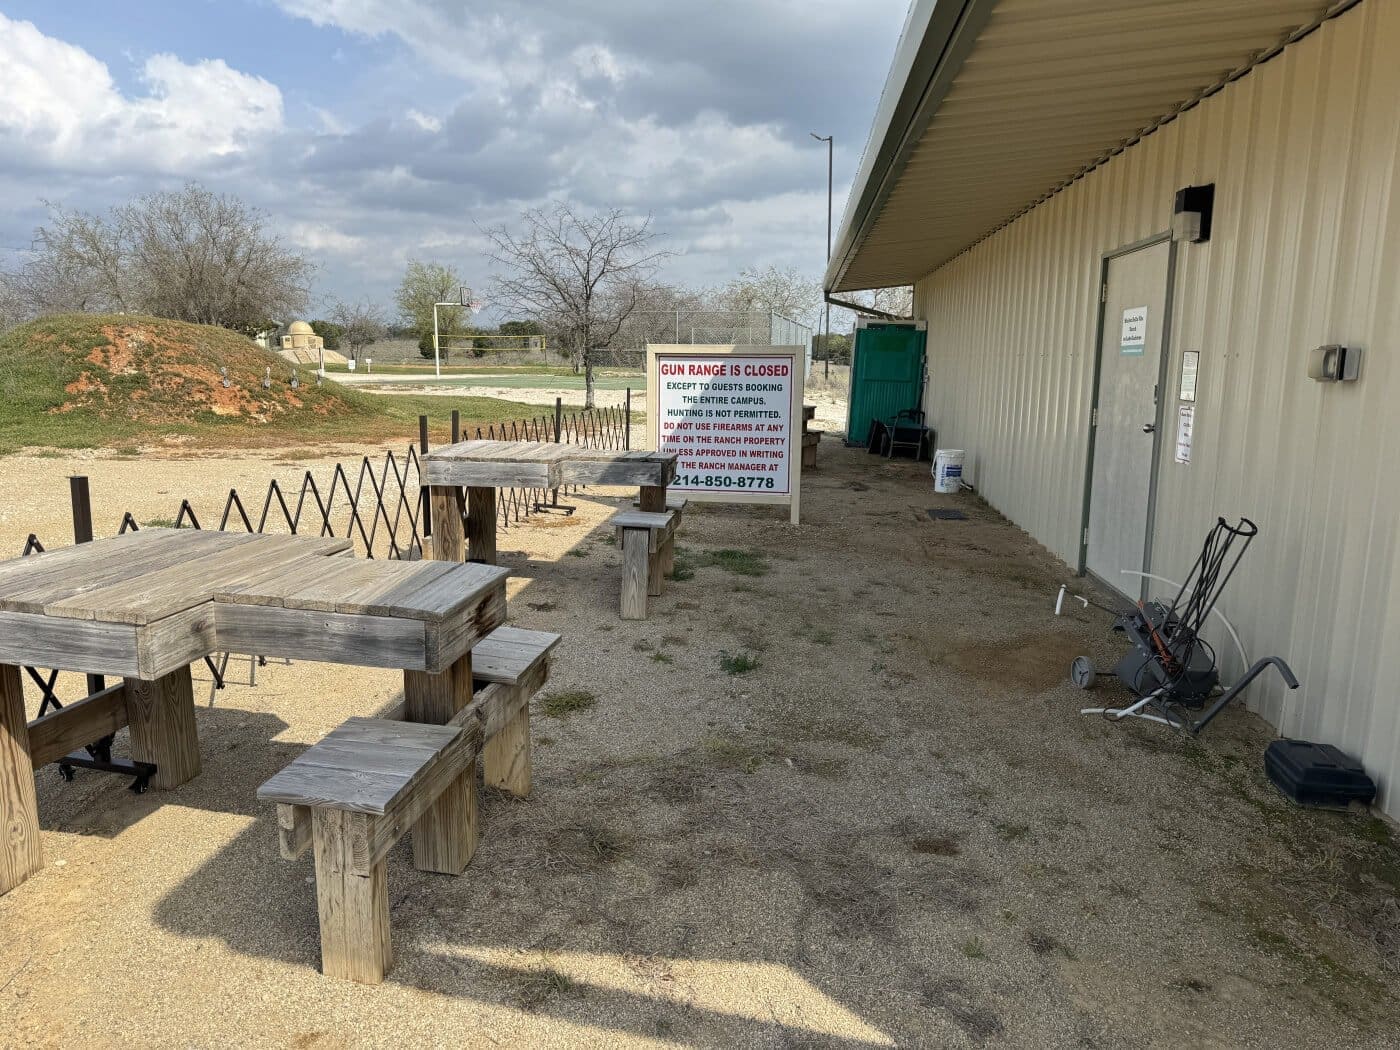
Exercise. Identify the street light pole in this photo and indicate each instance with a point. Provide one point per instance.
(826, 345)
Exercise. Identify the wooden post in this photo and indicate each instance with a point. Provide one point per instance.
(634, 573)
(507, 755)
(653, 498)
(655, 575)
(481, 525)
(354, 909)
(20, 852)
(163, 729)
(445, 836)
(449, 542)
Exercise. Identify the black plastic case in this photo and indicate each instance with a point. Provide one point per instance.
(1317, 774)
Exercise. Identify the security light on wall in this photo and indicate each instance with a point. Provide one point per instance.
(1335, 364)
(1192, 214)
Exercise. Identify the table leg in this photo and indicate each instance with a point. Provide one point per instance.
(507, 755)
(445, 837)
(449, 543)
(653, 498)
(20, 854)
(163, 726)
(481, 525)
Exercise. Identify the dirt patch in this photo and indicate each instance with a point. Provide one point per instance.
(1029, 663)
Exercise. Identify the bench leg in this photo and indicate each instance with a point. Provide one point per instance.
(446, 835)
(655, 573)
(20, 855)
(449, 541)
(163, 726)
(481, 525)
(652, 498)
(668, 555)
(507, 756)
(635, 559)
(354, 909)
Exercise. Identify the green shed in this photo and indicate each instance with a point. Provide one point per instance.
(887, 372)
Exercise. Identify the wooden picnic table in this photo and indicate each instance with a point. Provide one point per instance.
(481, 467)
(144, 606)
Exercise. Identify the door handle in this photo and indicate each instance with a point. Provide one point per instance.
(1149, 428)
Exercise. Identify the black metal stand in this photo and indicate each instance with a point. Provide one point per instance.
(554, 506)
(98, 756)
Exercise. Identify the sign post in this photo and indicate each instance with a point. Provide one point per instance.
(730, 413)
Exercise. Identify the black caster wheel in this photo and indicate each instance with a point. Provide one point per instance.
(1083, 673)
(138, 787)
(67, 773)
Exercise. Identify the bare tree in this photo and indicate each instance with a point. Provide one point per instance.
(361, 323)
(580, 275)
(188, 254)
(786, 292)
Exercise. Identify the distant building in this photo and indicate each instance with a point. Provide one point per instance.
(301, 336)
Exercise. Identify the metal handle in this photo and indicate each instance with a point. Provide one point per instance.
(1149, 428)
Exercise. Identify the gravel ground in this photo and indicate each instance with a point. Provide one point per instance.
(895, 830)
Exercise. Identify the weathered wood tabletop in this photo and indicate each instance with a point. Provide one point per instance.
(145, 605)
(468, 528)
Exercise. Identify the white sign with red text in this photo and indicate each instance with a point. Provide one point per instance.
(727, 413)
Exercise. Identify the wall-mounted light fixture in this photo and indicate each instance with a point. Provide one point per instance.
(1192, 214)
(1335, 364)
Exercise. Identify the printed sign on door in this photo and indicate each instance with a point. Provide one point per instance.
(1134, 337)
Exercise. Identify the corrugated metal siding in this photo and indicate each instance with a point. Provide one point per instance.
(1304, 152)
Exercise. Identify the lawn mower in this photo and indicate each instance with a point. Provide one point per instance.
(1171, 670)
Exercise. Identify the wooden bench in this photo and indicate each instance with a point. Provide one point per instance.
(647, 540)
(372, 780)
(676, 504)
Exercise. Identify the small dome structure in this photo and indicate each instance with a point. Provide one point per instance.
(301, 336)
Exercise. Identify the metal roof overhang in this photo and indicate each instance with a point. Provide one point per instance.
(991, 106)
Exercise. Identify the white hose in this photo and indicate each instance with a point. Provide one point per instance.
(1172, 583)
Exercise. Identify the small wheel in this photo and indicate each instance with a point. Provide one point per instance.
(1083, 673)
(67, 773)
(138, 787)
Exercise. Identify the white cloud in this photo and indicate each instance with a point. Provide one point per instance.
(63, 110)
(320, 239)
(424, 121)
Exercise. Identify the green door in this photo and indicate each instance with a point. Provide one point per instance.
(887, 374)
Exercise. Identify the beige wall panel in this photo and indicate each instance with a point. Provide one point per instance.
(1304, 152)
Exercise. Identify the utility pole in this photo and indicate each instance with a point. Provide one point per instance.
(826, 343)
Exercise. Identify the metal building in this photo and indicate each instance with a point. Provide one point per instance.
(1118, 385)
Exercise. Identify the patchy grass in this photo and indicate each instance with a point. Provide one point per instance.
(739, 663)
(534, 988)
(568, 702)
(741, 563)
(1011, 832)
(736, 755)
(126, 382)
(662, 658)
(973, 948)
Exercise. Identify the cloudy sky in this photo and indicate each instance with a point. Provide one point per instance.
(379, 130)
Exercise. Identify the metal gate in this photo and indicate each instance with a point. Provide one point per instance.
(1126, 421)
(887, 373)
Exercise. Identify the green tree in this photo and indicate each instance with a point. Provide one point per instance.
(330, 333)
(425, 284)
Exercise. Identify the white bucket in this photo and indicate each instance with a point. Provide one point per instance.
(947, 470)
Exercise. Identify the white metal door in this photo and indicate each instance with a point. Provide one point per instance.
(1127, 414)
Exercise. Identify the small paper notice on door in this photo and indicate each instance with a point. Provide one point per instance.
(1190, 368)
(1185, 423)
(1134, 337)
